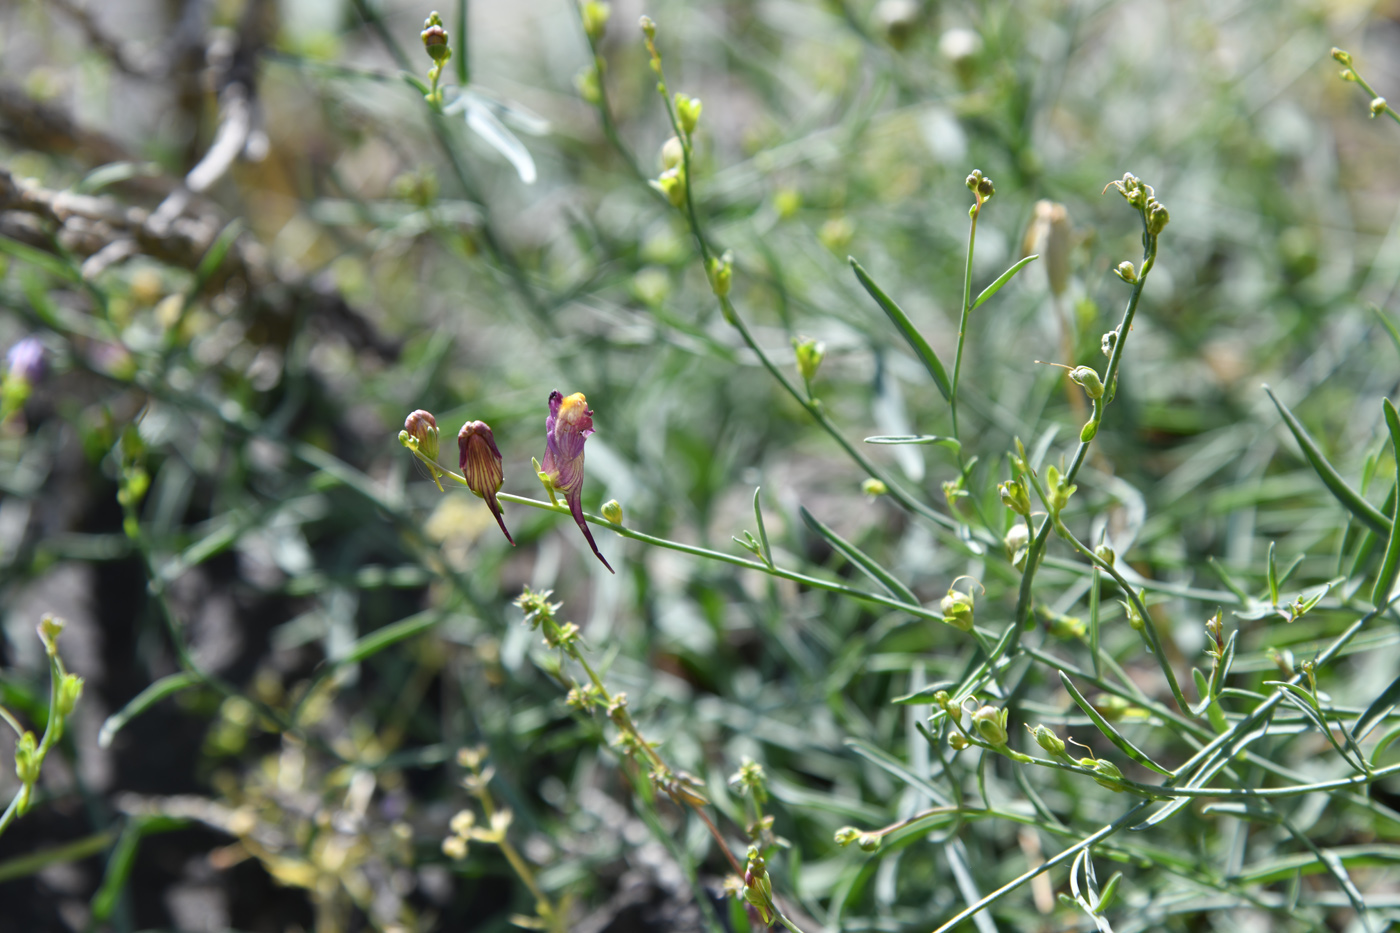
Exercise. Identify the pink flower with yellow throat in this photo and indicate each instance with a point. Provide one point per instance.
(569, 423)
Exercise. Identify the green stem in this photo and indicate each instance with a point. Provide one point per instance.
(962, 318)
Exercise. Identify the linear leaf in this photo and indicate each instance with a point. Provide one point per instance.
(378, 640)
(1348, 497)
(895, 768)
(1380, 708)
(762, 531)
(171, 683)
(1386, 579)
(950, 442)
(1002, 279)
(1112, 734)
(906, 329)
(862, 560)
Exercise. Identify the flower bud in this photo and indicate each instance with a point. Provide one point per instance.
(1088, 379)
(595, 18)
(810, 353)
(941, 699)
(1135, 618)
(1157, 216)
(722, 273)
(422, 427)
(1060, 489)
(612, 511)
(1106, 774)
(873, 487)
(1108, 341)
(836, 233)
(1106, 554)
(648, 27)
(586, 83)
(957, 741)
(1378, 106)
(1063, 626)
(991, 724)
(455, 848)
(1046, 738)
(897, 19)
(70, 688)
(27, 760)
(687, 112)
(869, 842)
(957, 610)
(1341, 56)
(50, 627)
(672, 153)
(980, 185)
(672, 184)
(435, 39)
(1014, 497)
(846, 835)
(1126, 272)
(1016, 543)
(462, 823)
(480, 462)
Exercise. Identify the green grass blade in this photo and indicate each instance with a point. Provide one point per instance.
(950, 442)
(1112, 734)
(907, 329)
(762, 531)
(1002, 279)
(1380, 708)
(171, 683)
(1385, 580)
(392, 634)
(861, 559)
(1348, 497)
(895, 768)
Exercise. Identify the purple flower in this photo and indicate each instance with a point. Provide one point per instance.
(25, 360)
(569, 423)
(481, 467)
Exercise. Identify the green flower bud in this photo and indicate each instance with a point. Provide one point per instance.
(50, 627)
(1046, 738)
(957, 610)
(1015, 497)
(980, 185)
(1016, 543)
(869, 842)
(687, 112)
(672, 184)
(941, 699)
(990, 723)
(672, 153)
(70, 688)
(1107, 775)
(1157, 216)
(1060, 489)
(1378, 106)
(1105, 553)
(721, 273)
(957, 741)
(27, 760)
(810, 353)
(1088, 379)
(595, 18)
(648, 27)
(1341, 56)
(1135, 618)
(586, 83)
(846, 835)
(1126, 272)
(1108, 341)
(873, 487)
(1066, 627)
(612, 511)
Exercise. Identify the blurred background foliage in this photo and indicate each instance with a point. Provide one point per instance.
(258, 341)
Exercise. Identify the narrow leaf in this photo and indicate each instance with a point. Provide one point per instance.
(1386, 580)
(862, 560)
(906, 329)
(1112, 734)
(895, 768)
(951, 443)
(171, 683)
(113, 173)
(1005, 277)
(762, 531)
(1388, 324)
(1344, 494)
(378, 640)
(1380, 708)
(214, 256)
(119, 865)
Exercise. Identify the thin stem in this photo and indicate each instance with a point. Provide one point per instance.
(962, 319)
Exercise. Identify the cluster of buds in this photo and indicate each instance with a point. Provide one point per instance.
(758, 889)
(1142, 197)
(867, 842)
(751, 780)
(567, 427)
(982, 189)
(463, 828)
(30, 751)
(436, 41)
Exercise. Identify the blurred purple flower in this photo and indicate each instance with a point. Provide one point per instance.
(569, 423)
(481, 467)
(25, 360)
